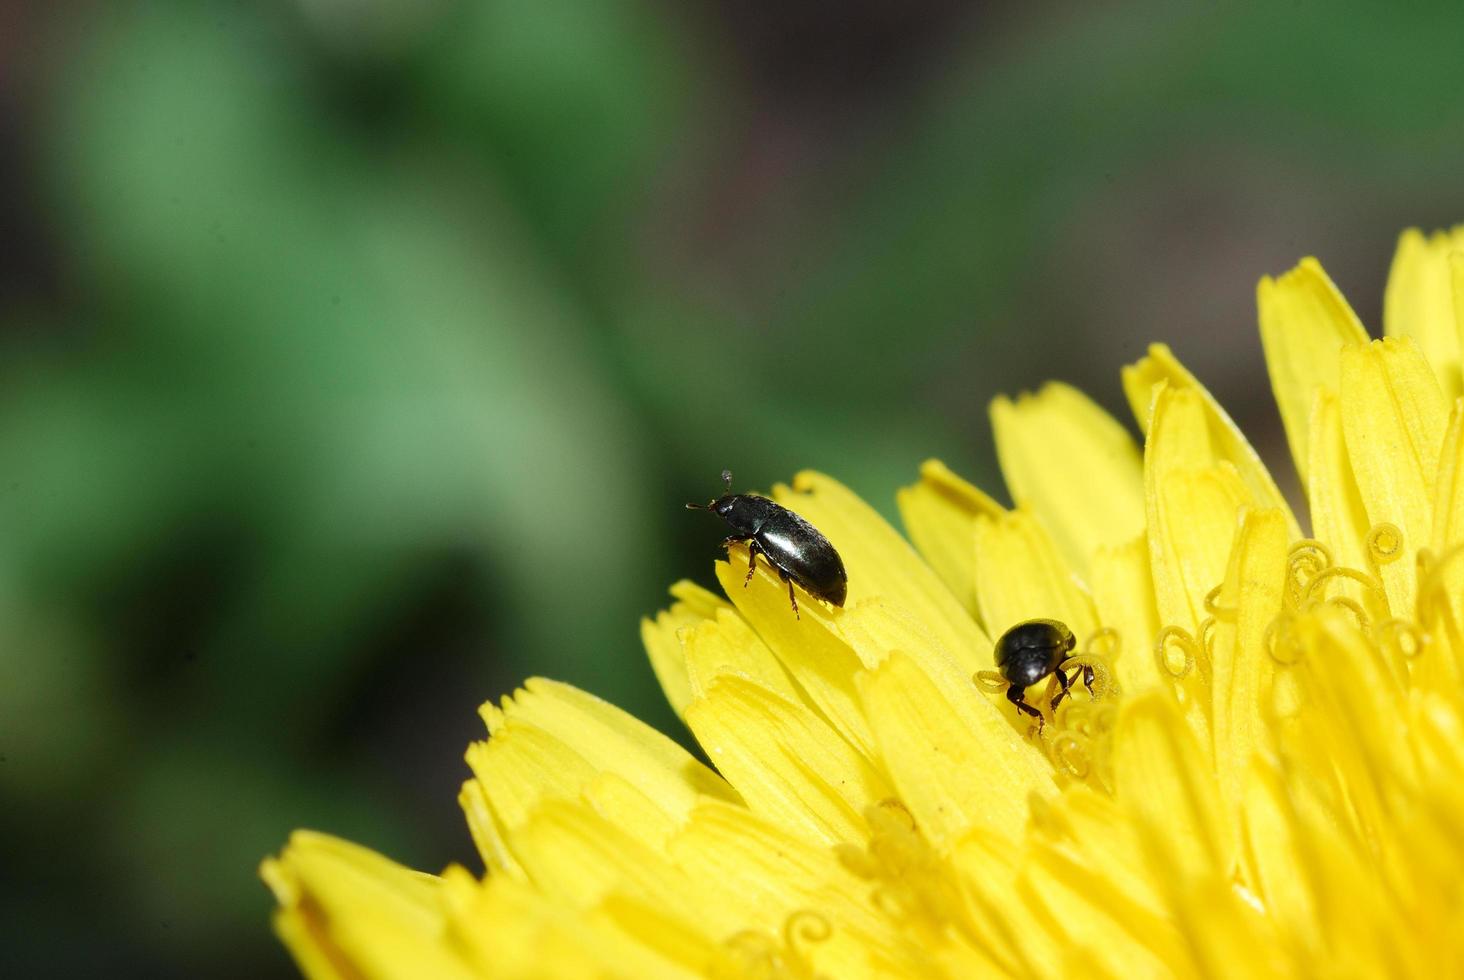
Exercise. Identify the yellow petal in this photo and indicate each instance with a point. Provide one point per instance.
(1165, 783)
(1195, 521)
(1352, 744)
(991, 866)
(314, 953)
(1249, 602)
(1351, 914)
(879, 561)
(1226, 442)
(1123, 592)
(1419, 301)
(1095, 880)
(1441, 589)
(951, 775)
(1194, 502)
(1448, 528)
(1070, 463)
(1339, 518)
(487, 830)
(680, 948)
(874, 630)
(581, 860)
(1305, 323)
(576, 856)
(1087, 914)
(516, 769)
(614, 741)
(694, 606)
(551, 741)
(808, 646)
(785, 761)
(1226, 935)
(1275, 868)
(761, 878)
(1456, 278)
(1393, 419)
(620, 802)
(1021, 576)
(940, 516)
(509, 929)
(727, 645)
(347, 911)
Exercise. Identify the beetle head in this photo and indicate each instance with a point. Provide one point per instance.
(1026, 668)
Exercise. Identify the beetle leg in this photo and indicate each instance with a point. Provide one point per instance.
(1089, 675)
(1015, 695)
(752, 550)
(791, 597)
(1062, 678)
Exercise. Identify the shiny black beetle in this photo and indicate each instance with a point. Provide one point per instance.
(789, 543)
(1031, 650)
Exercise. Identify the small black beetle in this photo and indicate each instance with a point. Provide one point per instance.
(790, 544)
(1031, 650)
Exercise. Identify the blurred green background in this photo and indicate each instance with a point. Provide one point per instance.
(357, 356)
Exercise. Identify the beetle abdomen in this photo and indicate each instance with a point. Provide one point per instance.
(804, 554)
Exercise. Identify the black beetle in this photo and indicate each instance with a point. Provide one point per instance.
(1031, 650)
(790, 544)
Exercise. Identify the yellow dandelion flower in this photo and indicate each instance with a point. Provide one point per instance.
(1267, 775)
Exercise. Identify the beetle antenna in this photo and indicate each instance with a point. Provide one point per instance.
(726, 478)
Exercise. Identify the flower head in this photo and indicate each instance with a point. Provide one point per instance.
(1264, 772)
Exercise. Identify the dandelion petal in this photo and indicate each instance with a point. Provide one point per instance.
(1393, 420)
(1166, 785)
(1338, 515)
(346, 911)
(1250, 601)
(1419, 301)
(1045, 441)
(1140, 381)
(1305, 323)
(940, 515)
(1021, 575)
(786, 762)
(1123, 591)
(951, 775)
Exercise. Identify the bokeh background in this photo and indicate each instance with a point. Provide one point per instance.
(357, 356)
